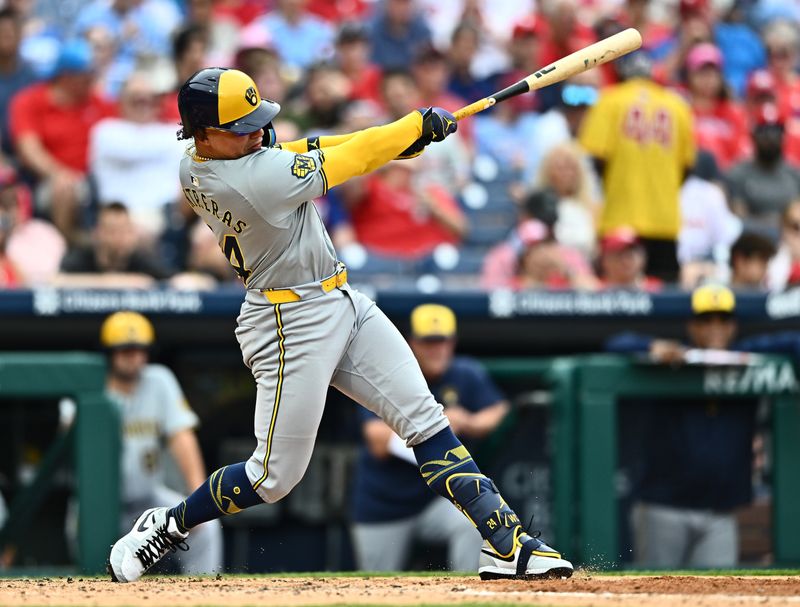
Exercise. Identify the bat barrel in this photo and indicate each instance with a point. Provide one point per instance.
(593, 55)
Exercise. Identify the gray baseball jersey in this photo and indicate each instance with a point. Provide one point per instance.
(325, 334)
(257, 208)
(155, 411)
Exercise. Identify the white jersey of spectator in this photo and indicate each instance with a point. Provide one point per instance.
(498, 20)
(154, 412)
(708, 227)
(136, 164)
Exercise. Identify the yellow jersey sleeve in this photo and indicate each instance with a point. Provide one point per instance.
(369, 149)
(302, 146)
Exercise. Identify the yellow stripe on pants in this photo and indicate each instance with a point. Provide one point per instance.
(277, 404)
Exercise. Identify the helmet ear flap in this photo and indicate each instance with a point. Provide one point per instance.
(269, 136)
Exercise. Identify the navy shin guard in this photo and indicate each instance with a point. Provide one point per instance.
(448, 468)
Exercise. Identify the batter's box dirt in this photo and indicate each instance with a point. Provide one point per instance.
(581, 590)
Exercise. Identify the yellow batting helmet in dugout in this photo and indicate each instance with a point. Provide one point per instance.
(125, 329)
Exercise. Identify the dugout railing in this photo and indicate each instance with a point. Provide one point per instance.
(93, 440)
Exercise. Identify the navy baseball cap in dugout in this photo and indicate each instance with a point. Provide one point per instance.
(226, 99)
(433, 321)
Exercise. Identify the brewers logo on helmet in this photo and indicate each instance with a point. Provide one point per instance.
(225, 99)
(127, 329)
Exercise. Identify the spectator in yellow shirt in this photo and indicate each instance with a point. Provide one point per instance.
(640, 135)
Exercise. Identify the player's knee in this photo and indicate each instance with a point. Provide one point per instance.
(277, 487)
(278, 484)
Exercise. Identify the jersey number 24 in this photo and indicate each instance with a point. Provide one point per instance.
(232, 250)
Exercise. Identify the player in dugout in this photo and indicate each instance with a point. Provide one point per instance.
(696, 459)
(392, 507)
(154, 414)
(302, 327)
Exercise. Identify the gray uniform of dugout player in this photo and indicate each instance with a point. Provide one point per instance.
(302, 328)
(154, 412)
(150, 415)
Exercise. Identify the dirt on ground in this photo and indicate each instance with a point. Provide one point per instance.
(581, 590)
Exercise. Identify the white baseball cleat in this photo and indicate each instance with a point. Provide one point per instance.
(531, 559)
(153, 535)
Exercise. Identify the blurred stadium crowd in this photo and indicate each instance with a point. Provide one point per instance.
(521, 197)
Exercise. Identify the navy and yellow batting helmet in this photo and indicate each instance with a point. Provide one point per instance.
(125, 330)
(227, 99)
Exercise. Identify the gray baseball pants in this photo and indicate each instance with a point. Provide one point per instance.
(296, 350)
(671, 538)
(386, 546)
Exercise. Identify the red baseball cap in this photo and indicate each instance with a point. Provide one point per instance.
(692, 7)
(760, 83)
(703, 54)
(527, 26)
(618, 239)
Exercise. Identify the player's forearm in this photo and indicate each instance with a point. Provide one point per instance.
(186, 452)
(302, 146)
(370, 149)
(485, 421)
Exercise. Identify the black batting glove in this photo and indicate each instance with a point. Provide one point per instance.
(437, 124)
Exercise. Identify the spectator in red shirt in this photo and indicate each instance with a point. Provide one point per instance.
(762, 89)
(622, 262)
(564, 34)
(352, 57)
(523, 50)
(720, 123)
(637, 14)
(50, 125)
(397, 216)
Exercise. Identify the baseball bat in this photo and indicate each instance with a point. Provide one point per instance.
(593, 55)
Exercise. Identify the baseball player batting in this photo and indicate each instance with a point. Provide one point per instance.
(302, 327)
